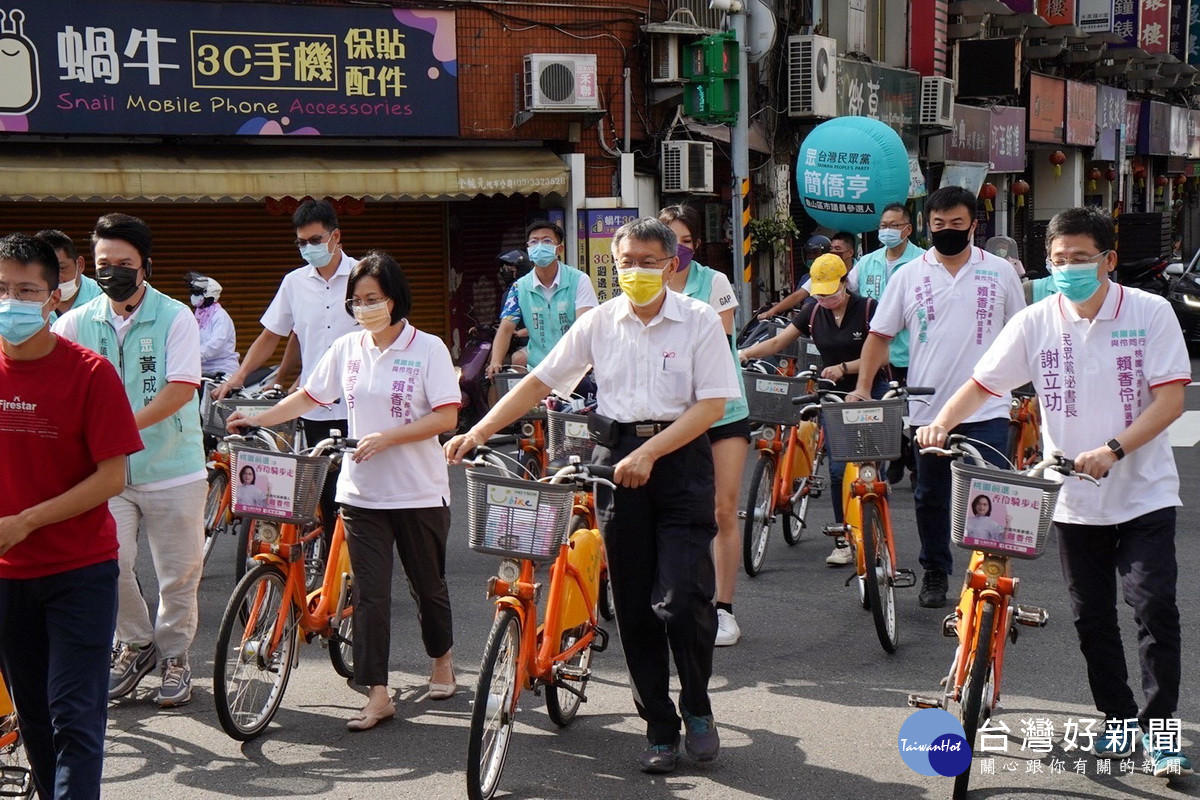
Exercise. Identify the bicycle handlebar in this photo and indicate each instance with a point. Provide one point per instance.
(961, 446)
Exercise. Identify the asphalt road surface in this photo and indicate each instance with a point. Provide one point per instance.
(808, 704)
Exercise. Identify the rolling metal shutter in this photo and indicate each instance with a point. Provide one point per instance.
(249, 251)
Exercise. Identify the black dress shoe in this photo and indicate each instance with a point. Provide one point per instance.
(933, 589)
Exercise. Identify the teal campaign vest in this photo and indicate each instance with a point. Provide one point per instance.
(547, 320)
(872, 274)
(699, 287)
(174, 446)
(1043, 288)
(88, 290)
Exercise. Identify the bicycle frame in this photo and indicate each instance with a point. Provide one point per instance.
(988, 581)
(1025, 417)
(857, 493)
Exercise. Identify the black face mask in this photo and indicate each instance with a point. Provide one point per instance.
(119, 283)
(950, 242)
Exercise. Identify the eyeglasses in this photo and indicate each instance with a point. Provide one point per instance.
(1079, 261)
(365, 301)
(25, 293)
(895, 226)
(313, 240)
(645, 263)
(545, 240)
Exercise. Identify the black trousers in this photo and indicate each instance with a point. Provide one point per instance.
(419, 536)
(1141, 552)
(660, 565)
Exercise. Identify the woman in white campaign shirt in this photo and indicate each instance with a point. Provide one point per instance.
(400, 392)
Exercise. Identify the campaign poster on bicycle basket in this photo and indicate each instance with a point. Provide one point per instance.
(1002, 516)
(265, 485)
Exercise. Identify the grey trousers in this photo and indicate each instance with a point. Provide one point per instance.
(419, 536)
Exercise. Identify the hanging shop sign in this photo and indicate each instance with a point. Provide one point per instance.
(1006, 146)
(892, 96)
(159, 67)
(1154, 23)
(1154, 138)
(1181, 11)
(848, 169)
(1094, 16)
(1133, 126)
(1125, 21)
(1057, 12)
(1046, 109)
(968, 140)
(1180, 123)
(1193, 39)
(1110, 116)
(1081, 114)
(1194, 133)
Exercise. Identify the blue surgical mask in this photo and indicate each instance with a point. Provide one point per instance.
(1077, 282)
(20, 320)
(317, 255)
(543, 254)
(889, 238)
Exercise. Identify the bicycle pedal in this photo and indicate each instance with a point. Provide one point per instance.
(904, 579)
(921, 701)
(1032, 616)
(836, 530)
(600, 643)
(573, 673)
(950, 626)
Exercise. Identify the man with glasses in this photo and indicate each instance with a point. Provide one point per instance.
(844, 245)
(74, 287)
(1110, 366)
(953, 301)
(154, 343)
(546, 301)
(664, 372)
(67, 431)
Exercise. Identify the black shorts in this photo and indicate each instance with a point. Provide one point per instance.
(730, 430)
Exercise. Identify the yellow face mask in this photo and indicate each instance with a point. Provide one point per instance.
(642, 286)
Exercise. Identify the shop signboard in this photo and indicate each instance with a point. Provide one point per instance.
(1006, 145)
(1081, 114)
(892, 96)
(1154, 18)
(1094, 16)
(1133, 126)
(1154, 136)
(1057, 12)
(1194, 134)
(1110, 116)
(1047, 97)
(596, 229)
(1193, 43)
(1181, 12)
(1125, 21)
(968, 141)
(1181, 120)
(178, 68)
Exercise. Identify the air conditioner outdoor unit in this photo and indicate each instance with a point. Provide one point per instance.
(937, 102)
(687, 167)
(812, 76)
(664, 58)
(561, 82)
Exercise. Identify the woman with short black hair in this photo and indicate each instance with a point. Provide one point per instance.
(401, 392)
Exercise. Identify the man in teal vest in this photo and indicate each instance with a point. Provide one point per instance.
(546, 301)
(154, 343)
(76, 288)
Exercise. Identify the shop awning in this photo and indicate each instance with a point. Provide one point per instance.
(252, 175)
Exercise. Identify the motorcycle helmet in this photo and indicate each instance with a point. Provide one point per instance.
(816, 246)
(513, 264)
(204, 291)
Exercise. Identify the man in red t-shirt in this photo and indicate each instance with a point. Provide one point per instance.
(65, 430)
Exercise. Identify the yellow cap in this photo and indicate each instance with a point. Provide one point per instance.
(826, 274)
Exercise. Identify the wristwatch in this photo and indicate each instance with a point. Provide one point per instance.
(1115, 446)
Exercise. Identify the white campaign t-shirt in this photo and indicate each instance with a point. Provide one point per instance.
(387, 389)
(951, 322)
(1093, 379)
(315, 309)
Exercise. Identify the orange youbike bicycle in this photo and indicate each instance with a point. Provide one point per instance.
(1020, 508)
(786, 471)
(272, 607)
(1024, 429)
(15, 778)
(531, 437)
(527, 523)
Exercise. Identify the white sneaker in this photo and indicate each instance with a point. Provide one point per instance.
(841, 556)
(728, 631)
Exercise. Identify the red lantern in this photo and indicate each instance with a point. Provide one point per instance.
(1020, 188)
(1139, 174)
(1110, 175)
(1180, 180)
(1058, 158)
(1160, 183)
(987, 193)
(1093, 176)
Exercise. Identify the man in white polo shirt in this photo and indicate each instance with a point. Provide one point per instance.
(1110, 366)
(953, 301)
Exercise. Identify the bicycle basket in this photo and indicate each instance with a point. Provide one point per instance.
(516, 518)
(506, 381)
(213, 422)
(804, 352)
(867, 431)
(283, 487)
(770, 397)
(1020, 510)
(567, 435)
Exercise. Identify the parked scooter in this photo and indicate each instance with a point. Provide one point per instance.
(1147, 274)
(472, 365)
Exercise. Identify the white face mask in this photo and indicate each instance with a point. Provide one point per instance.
(68, 289)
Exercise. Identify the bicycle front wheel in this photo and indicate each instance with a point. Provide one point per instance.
(561, 704)
(972, 711)
(495, 706)
(880, 592)
(215, 510)
(250, 673)
(760, 509)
